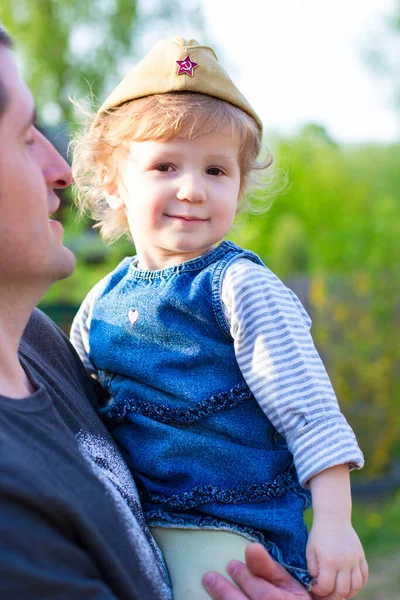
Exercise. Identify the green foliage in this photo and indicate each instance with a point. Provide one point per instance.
(290, 244)
(343, 201)
(70, 47)
(80, 48)
(382, 54)
(356, 328)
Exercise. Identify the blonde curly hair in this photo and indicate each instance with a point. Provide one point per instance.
(103, 145)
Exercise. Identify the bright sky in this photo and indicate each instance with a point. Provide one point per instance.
(298, 61)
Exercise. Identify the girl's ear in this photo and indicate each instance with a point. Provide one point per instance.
(112, 191)
(115, 201)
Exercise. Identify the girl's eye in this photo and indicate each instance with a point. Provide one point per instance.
(163, 167)
(215, 171)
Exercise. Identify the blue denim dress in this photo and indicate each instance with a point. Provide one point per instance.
(202, 451)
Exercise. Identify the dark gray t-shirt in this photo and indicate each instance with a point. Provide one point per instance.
(71, 526)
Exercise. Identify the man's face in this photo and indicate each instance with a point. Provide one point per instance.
(31, 248)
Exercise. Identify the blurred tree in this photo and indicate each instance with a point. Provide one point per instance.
(290, 244)
(317, 135)
(68, 47)
(339, 212)
(75, 48)
(383, 52)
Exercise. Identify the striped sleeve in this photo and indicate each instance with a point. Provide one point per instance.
(79, 335)
(277, 357)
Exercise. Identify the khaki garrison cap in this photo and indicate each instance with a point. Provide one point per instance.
(177, 65)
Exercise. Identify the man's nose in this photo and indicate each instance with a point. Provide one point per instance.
(191, 188)
(56, 170)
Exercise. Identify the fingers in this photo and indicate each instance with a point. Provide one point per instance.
(260, 579)
(312, 562)
(364, 570)
(359, 578)
(336, 585)
(251, 586)
(220, 588)
(325, 584)
(261, 564)
(356, 583)
(346, 584)
(254, 587)
(343, 585)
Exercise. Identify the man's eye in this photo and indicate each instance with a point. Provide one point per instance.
(31, 137)
(215, 171)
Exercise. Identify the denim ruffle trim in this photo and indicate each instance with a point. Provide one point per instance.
(253, 493)
(119, 410)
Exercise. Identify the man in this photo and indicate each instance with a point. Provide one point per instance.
(70, 520)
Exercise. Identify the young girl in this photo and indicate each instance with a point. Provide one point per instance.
(221, 404)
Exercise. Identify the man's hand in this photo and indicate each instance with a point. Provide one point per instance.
(261, 578)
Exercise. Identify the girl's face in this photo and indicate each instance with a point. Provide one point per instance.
(180, 196)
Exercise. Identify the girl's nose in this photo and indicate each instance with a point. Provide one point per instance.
(191, 189)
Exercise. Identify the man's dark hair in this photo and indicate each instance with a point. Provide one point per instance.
(6, 42)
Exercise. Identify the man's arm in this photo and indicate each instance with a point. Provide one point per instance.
(37, 561)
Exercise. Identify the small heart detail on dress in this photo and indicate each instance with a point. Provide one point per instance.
(133, 315)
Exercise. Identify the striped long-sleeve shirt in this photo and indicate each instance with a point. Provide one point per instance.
(279, 362)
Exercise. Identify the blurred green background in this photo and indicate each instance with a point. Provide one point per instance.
(331, 233)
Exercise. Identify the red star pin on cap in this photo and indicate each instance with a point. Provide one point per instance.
(186, 66)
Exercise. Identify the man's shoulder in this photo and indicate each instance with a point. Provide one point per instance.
(44, 343)
(50, 358)
(40, 330)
